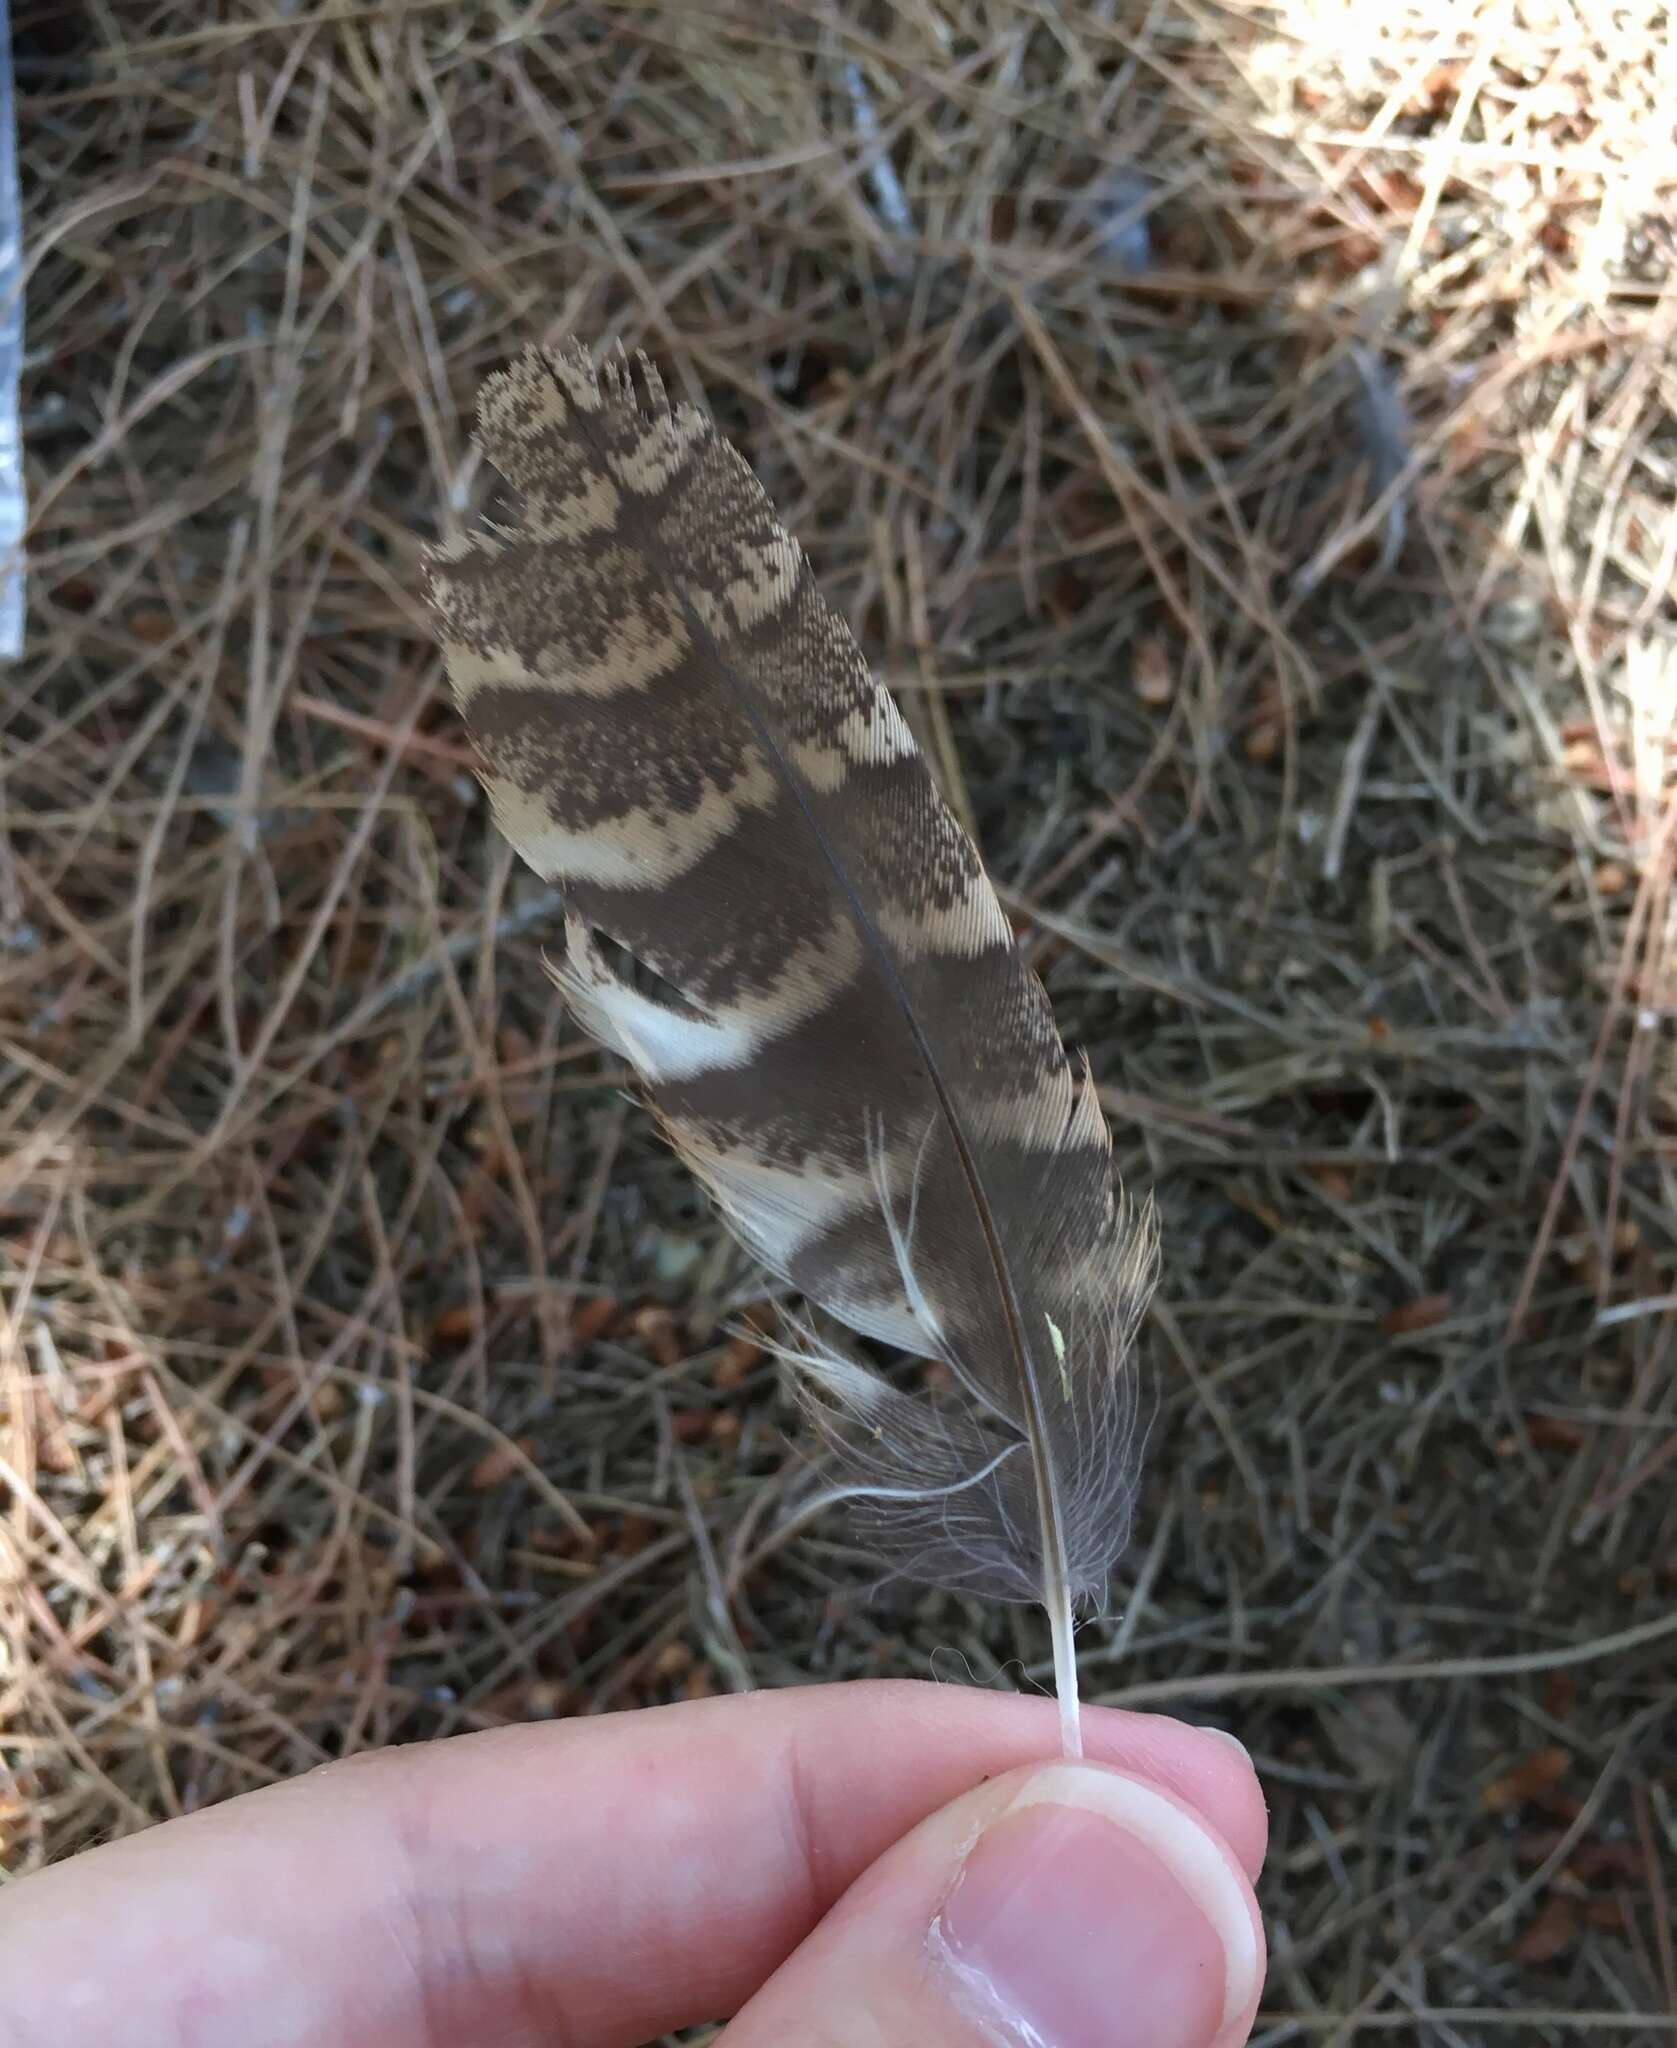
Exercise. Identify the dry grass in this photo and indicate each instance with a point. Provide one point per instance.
(1247, 441)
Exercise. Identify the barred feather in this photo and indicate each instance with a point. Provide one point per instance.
(843, 1041)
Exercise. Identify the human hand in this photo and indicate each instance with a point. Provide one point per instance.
(896, 1865)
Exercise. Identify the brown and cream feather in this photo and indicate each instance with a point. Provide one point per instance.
(837, 1033)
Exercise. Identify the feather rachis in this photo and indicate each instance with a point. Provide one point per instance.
(854, 1057)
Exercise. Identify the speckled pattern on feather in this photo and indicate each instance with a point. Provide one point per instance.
(677, 729)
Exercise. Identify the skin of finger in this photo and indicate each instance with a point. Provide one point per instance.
(600, 1880)
(867, 1977)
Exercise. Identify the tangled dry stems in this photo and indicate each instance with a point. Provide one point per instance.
(1244, 437)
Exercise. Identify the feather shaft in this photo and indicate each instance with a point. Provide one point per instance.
(1056, 1594)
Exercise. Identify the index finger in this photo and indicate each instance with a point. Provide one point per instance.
(595, 1882)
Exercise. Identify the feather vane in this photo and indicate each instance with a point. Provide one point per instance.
(837, 1030)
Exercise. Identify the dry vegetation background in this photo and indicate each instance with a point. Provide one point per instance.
(1244, 435)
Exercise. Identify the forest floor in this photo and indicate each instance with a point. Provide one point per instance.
(1245, 438)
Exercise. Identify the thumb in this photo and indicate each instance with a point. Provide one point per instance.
(1061, 1906)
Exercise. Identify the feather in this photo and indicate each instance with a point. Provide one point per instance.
(773, 916)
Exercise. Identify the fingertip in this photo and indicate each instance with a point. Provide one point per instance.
(1071, 1903)
(1208, 1767)
(1233, 1795)
(1081, 1849)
